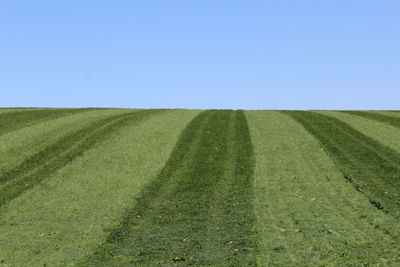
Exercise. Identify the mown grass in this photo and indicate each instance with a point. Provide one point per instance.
(6, 110)
(46, 162)
(307, 213)
(371, 167)
(386, 119)
(113, 190)
(198, 211)
(64, 218)
(12, 121)
(383, 133)
(16, 146)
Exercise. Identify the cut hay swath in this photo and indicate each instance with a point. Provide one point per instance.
(109, 187)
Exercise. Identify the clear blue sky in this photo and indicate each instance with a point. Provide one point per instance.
(336, 54)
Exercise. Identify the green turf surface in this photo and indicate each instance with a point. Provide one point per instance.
(387, 112)
(308, 214)
(120, 187)
(199, 208)
(381, 132)
(63, 219)
(371, 167)
(18, 145)
(34, 169)
(6, 110)
(386, 119)
(18, 119)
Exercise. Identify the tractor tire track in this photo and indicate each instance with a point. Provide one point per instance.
(47, 161)
(371, 167)
(15, 120)
(199, 210)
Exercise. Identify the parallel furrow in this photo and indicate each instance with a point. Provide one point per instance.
(389, 120)
(47, 161)
(199, 209)
(371, 167)
(15, 120)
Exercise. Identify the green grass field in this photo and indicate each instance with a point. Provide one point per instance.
(131, 187)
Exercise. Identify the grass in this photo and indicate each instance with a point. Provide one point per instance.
(34, 169)
(199, 188)
(307, 213)
(12, 121)
(38, 227)
(18, 145)
(386, 119)
(385, 134)
(199, 208)
(6, 110)
(371, 167)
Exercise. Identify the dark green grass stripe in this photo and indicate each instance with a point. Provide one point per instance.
(373, 168)
(234, 198)
(198, 211)
(394, 121)
(12, 121)
(46, 162)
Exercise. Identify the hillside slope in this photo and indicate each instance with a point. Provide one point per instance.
(122, 187)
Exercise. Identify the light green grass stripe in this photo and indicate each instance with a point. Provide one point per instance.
(21, 144)
(66, 217)
(18, 119)
(6, 110)
(385, 134)
(307, 213)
